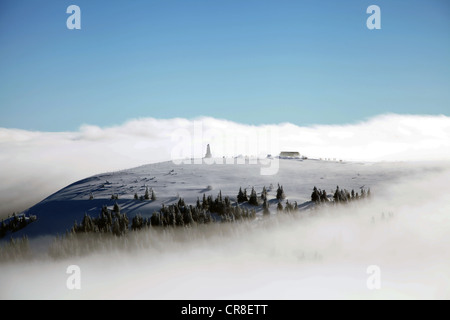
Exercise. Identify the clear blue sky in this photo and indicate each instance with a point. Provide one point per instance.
(251, 61)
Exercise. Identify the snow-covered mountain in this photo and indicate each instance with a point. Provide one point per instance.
(325, 253)
(57, 213)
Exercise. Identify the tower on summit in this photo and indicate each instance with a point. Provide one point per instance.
(208, 152)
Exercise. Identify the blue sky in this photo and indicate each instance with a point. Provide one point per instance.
(250, 61)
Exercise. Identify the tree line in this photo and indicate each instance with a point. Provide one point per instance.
(15, 223)
(339, 195)
(205, 211)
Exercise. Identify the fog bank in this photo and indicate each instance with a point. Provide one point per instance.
(320, 254)
(35, 164)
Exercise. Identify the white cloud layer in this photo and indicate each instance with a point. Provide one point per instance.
(323, 254)
(35, 164)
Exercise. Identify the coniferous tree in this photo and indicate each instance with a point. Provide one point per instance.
(153, 196)
(23, 222)
(179, 219)
(102, 221)
(136, 197)
(156, 219)
(116, 228)
(279, 206)
(245, 195)
(87, 224)
(188, 219)
(109, 218)
(343, 196)
(227, 202)
(124, 223)
(253, 200)
(196, 213)
(3, 229)
(147, 195)
(288, 207)
(181, 203)
(240, 196)
(336, 195)
(204, 203)
(172, 218)
(136, 223)
(323, 196)
(74, 227)
(280, 193)
(208, 218)
(264, 194)
(315, 195)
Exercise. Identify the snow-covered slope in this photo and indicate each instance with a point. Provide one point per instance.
(57, 213)
(403, 230)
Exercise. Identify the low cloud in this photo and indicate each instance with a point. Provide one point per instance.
(402, 229)
(35, 164)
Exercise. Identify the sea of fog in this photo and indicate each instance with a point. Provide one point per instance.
(325, 253)
(36, 164)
